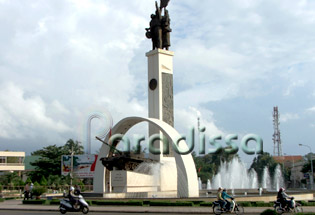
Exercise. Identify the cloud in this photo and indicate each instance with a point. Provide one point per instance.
(67, 59)
(288, 117)
(311, 109)
(25, 116)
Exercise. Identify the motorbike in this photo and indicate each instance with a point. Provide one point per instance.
(231, 207)
(297, 207)
(66, 206)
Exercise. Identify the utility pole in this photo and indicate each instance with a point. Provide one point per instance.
(311, 159)
(71, 173)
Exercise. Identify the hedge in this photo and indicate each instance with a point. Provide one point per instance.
(54, 202)
(35, 202)
(168, 203)
(128, 203)
(245, 204)
(269, 212)
(206, 204)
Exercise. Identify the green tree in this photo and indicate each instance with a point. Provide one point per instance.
(209, 165)
(11, 179)
(43, 181)
(307, 166)
(49, 162)
(77, 147)
(265, 160)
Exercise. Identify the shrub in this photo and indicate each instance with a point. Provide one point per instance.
(168, 203)
(37, 202)
(54, 202)
(206, 204)
(160, 203)
(129, 203)
(89, 202)
(268, 212)
(245, 204)
(38, 190)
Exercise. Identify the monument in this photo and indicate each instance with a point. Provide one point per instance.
(171, 174)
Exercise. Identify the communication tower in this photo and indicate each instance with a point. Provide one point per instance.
(277, 150)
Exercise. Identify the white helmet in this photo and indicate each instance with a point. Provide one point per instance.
(71, 188)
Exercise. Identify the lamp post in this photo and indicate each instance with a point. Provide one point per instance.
(312, 180)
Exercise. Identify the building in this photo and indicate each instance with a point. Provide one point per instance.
(12, 161)
(295, 163)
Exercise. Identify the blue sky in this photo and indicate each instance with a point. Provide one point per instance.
(234, 60)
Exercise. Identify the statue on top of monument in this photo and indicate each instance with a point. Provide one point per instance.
(159, 30)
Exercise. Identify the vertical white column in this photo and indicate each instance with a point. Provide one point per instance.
(160, 91)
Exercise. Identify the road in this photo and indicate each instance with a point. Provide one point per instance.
(11, 212)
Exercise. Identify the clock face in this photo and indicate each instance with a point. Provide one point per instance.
(153, 84)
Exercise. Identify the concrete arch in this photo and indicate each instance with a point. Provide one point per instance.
(185, 164)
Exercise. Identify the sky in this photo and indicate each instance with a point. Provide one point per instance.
(63, 60)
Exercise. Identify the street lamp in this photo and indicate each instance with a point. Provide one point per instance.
(312, 180)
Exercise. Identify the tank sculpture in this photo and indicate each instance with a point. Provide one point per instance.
(118, 160)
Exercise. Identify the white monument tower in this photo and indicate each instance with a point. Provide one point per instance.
(177, 172)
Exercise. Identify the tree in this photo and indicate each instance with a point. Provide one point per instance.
(307, 166)
(77, 147)
(209, 165)
(266, 160)
(50, 158)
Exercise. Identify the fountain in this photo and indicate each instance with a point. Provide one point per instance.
(234, 175)
(208, 185)
(199, 183)
(266, 180)
(278, 178)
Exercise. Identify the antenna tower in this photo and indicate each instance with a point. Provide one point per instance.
(277, 150)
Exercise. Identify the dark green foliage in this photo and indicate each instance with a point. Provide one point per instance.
(50, 158)
(89, 202)
(262, 204)
(128, 203)
(43, 181)
(54, 202)
(38, 190)
(245, 204)
(268, 212)
(168, 203)
(11, 179)
(206, 204)
(260, 162)
(309, 213)
(208, 165)
(34, 202)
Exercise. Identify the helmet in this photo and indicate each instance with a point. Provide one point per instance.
(220, 188)
(71, 188)
(224, 189)
(281, 189)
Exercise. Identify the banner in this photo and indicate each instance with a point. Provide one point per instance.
(83, 165)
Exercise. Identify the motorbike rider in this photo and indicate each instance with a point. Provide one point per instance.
(73, 198)
(282, 198)
(221, 201)
(225, 197)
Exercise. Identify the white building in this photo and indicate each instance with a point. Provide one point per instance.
(12, 161)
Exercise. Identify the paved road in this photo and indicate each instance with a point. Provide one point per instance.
(57, 213)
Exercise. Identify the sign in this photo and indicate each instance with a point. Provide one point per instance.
(83, 165)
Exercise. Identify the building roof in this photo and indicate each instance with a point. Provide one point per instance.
(288, 158)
